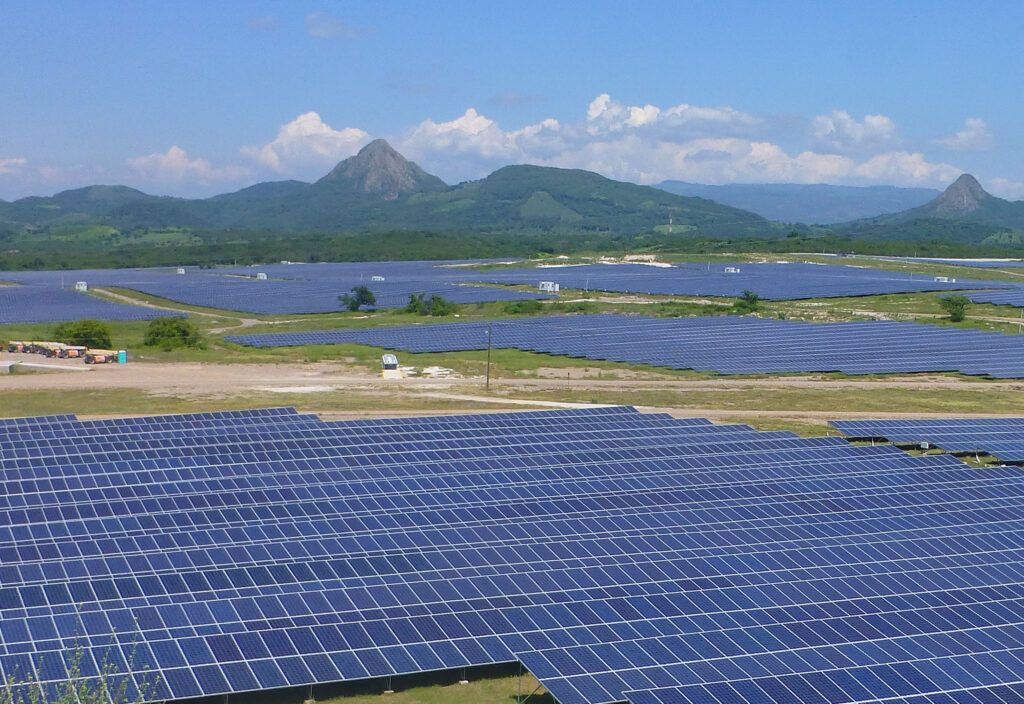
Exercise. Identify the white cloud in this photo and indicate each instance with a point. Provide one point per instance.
(11, 165)
(605, 115)
(320, 25)
(839, 131)
(648, 144)
(308, 142)
(905, 168)
(974, 137)
(174, 166)
(1006, 188)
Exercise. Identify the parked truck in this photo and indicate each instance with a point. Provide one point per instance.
(100, 356)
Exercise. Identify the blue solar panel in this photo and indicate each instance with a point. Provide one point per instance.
(999, 437)
(727, 345)
(48, 304)
(314, 288)
(616, 554)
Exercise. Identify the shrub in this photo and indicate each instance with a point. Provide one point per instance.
(748, 303)
(434, 306)
(955, 305)
(360, 296)
(171, 333)
(87, 333)
(529, 306)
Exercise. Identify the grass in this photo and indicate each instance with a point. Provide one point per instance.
(117, 402)
(497, 690)
(882, 400)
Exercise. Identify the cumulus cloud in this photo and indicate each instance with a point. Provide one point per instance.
(174, 166)
(649, 144)
(308, 142)
(839, 131)
(11, 165)
(320, 25)
(974, 137)
(605, 115)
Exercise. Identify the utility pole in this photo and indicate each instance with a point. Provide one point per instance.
(490, 327)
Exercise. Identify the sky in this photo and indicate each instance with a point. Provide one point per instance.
(192, 98)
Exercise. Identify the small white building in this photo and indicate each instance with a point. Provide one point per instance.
(81, 286)
(261, 276)
(549, 286)
(732, 270)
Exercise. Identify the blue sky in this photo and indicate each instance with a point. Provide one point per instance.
(197, 98)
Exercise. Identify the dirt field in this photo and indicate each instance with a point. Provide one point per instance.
(320, 386)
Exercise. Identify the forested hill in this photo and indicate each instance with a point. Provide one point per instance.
(964, 213)
(378, 189)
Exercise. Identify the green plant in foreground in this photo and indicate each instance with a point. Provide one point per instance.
(86, 680)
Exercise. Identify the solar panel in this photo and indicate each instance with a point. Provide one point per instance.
(616, 554)
(999, 437)
(727, 345)
(314, 288)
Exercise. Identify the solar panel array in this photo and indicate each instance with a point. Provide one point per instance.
(314, 288)
(771, 281)
(289, 288)
(1010, 297)
(45, 304)
(727, 345)
(616, 554)
(999, 437)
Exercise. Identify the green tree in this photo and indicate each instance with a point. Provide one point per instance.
(360, 296)
(955, 305)
(748, 303)
(171, 333)
(87, 333)
(436, 306)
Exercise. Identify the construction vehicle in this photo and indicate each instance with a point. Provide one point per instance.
(72, 352)
(100, 356)
(17, 346)
(48, 349)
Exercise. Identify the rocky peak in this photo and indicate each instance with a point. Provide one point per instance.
(379, 170)
(963, 196)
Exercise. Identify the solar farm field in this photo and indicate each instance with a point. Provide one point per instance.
(44, 304)
(314, 288)
(618, 556)
(727, 345)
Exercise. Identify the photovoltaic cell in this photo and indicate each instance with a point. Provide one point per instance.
(618, 555)
(727, 345)
(1000, 437)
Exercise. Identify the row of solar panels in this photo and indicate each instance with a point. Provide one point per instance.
(1000, 437)
(314, 288)
(617, 554)
(727, 345)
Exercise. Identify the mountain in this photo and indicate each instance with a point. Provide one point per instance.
(378, 170)
(807, 203)
(378, 189)
(964, 212)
